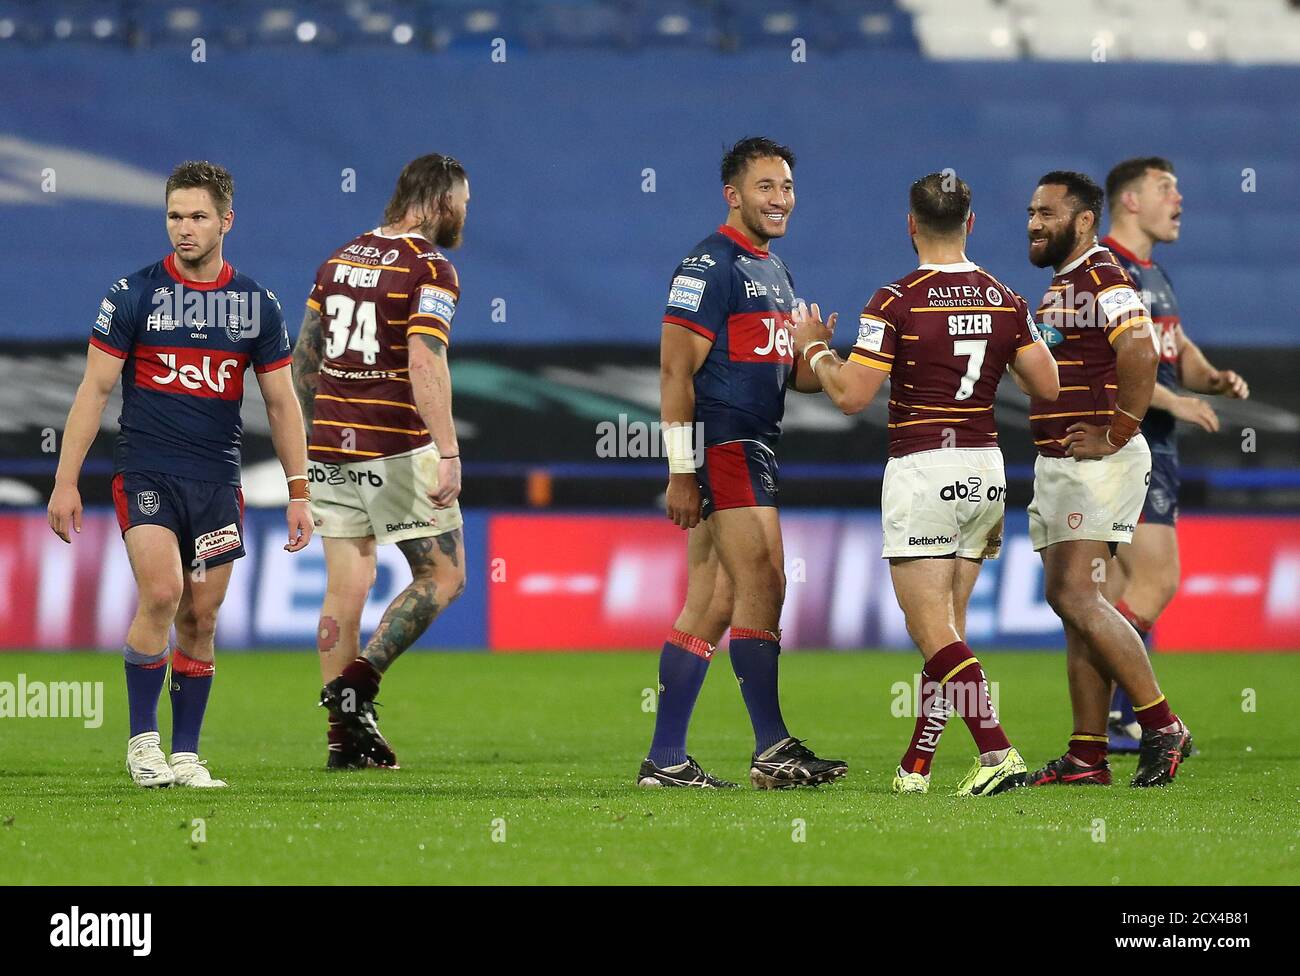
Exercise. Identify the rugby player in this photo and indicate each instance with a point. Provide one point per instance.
(943, 334)
(1090, 479)
(181, 333)
(370, 368)
(1146, 208)
(726, 360)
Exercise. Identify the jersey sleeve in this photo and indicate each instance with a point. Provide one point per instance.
(1119, 306)
(699, 297)
(316, 297)
(114, 328)
(271, 345)
(1027, 334)
(433, 302)
(877, 333)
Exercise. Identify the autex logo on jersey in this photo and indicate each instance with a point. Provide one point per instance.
(190, 372)
(759, 337)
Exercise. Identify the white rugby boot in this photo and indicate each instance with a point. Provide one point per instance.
(190, 770)
(910, 782)
(145, 761)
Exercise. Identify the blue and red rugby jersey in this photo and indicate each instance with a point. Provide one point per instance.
(187, 345)
(740, 298)
(1158, 426)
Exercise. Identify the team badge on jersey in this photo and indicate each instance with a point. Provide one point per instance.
(436, 301)
(234, 328)
(1034, 335)
(871, 333)
(686, 292)
(147, 502)
(104, 320)
(1118, 301)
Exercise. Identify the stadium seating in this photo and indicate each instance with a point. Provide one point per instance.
(1193, 31)
(568, 140)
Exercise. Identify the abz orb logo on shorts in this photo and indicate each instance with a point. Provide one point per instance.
(1074, 519)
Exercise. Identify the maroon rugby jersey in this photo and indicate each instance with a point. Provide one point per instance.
(944, 333)
(372, 294)
(1090, 304)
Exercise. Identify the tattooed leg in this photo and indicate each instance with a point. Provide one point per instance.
(350, 572)
(437, 577)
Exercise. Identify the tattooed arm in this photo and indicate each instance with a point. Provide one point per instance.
(307, 354)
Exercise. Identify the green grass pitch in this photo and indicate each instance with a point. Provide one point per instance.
(519, 769)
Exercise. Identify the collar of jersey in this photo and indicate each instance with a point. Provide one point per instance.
(1124, 252)
(397, 237)
(954, 268)
(223, 279)
(735, 235)
(1081, 258)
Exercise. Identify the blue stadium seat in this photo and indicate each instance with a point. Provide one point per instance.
(863, 24)
(233, 23)
(677, 24)
(1049, 121)
(1279, 231)
(769, 23)
(579, 23)
(1207, 237)
(64, 21)
(473, 24)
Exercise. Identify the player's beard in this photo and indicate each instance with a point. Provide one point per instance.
(449, 234)
(1058, 247)
(758, 225)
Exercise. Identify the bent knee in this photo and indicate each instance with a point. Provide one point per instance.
(197, 622)
(160, 597)
(1073, 603)
(443, 583)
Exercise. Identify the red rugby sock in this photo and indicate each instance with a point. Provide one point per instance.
(1088, 749)
(1155, 715)
(956, 667)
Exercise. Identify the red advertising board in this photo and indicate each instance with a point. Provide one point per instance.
(1240, 586)
(578, 582)
(588, 582)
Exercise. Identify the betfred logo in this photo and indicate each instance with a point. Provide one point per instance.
(760, 337)
(190, 371)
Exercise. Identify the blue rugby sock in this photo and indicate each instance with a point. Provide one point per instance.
(191, 684)
(683, 664)
(754, 655)
(144, 681)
